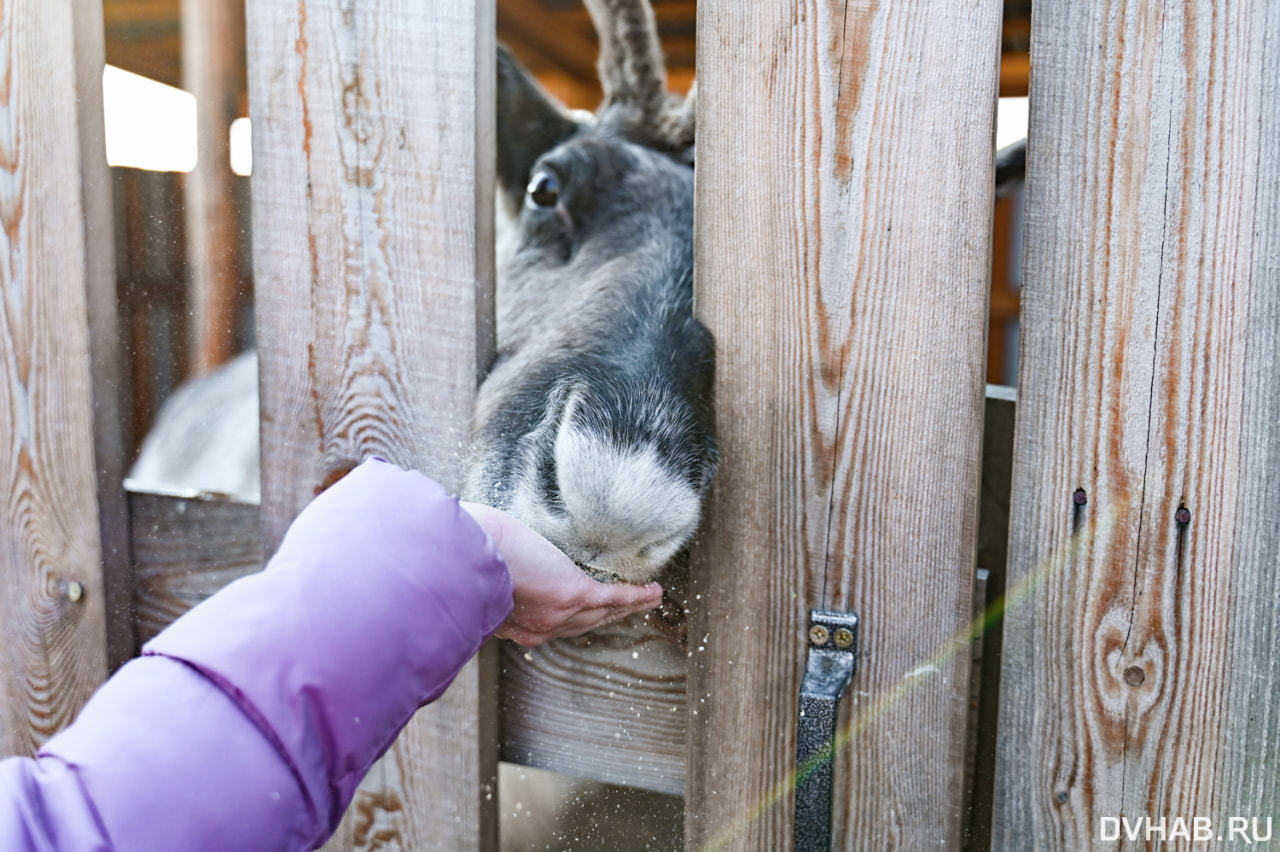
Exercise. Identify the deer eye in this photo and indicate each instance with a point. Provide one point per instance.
(544, 190)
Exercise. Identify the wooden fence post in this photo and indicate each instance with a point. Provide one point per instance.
(372, 211)
(1142, 640)
(61, 591)
(213, 69)
(842, 261)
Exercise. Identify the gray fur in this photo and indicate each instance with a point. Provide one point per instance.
(595, 424)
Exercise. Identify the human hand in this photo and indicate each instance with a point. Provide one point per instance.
(553, 598)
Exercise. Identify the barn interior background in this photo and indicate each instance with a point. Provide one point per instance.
(1138, 670)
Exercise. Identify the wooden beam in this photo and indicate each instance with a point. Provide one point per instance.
(682, 14)
(53, 590)
(134, 13)
(850, 322)
(213, 69)
(1003, 306)
(144, 36)
(1015, 75)
(1142, 638)
(570, 91)
(570, 43)
(184, 550)
(610, 706)
(373, 255)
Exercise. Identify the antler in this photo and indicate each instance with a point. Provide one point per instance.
(633, 74)
(676, 123)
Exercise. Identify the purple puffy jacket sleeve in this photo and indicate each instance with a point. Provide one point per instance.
(249, 722)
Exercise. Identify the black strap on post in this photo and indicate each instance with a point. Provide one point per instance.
(833, 658)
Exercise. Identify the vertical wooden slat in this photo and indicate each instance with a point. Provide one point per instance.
(112, 415)
(372, 211)
(1249, 756)
(213, 69)
(842, 261)
(54, 650)
(1142, 656)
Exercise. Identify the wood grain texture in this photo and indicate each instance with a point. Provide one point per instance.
(845, 173)
(609, 706)
(184, 550)
(109, 383)
(54, 651)
(373, 244)
(1141, 655)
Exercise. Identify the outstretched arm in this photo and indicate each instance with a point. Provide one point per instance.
(249, 722)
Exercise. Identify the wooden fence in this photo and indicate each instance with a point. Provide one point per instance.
(842, 261)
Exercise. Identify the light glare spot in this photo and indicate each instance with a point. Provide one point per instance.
(148, 125)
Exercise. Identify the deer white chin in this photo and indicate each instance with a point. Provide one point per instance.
(615, 510)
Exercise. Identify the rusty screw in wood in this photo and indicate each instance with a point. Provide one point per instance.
(819, 635)
(1134, 675)
(843, 637)
(1079, 498)
(70, 590)
(1183, 515)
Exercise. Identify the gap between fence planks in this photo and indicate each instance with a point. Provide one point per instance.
(842, 260)
(373, 256)
(56, 214)
(1142, 652)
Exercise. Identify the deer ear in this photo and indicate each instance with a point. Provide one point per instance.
(529, 123)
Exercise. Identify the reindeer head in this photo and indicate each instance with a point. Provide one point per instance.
(595, 426)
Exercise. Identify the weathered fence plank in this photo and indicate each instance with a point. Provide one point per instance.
(55, 215)
(186, 549)
(844, 211)
(609, 706)
(1142, 655)
(372, 210)
(109, 385)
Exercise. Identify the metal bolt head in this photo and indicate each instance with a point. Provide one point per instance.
(1080, 497)
(1134, 676)
(1183, 515)
(819, 635)
(843, 637)
(70, 590)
